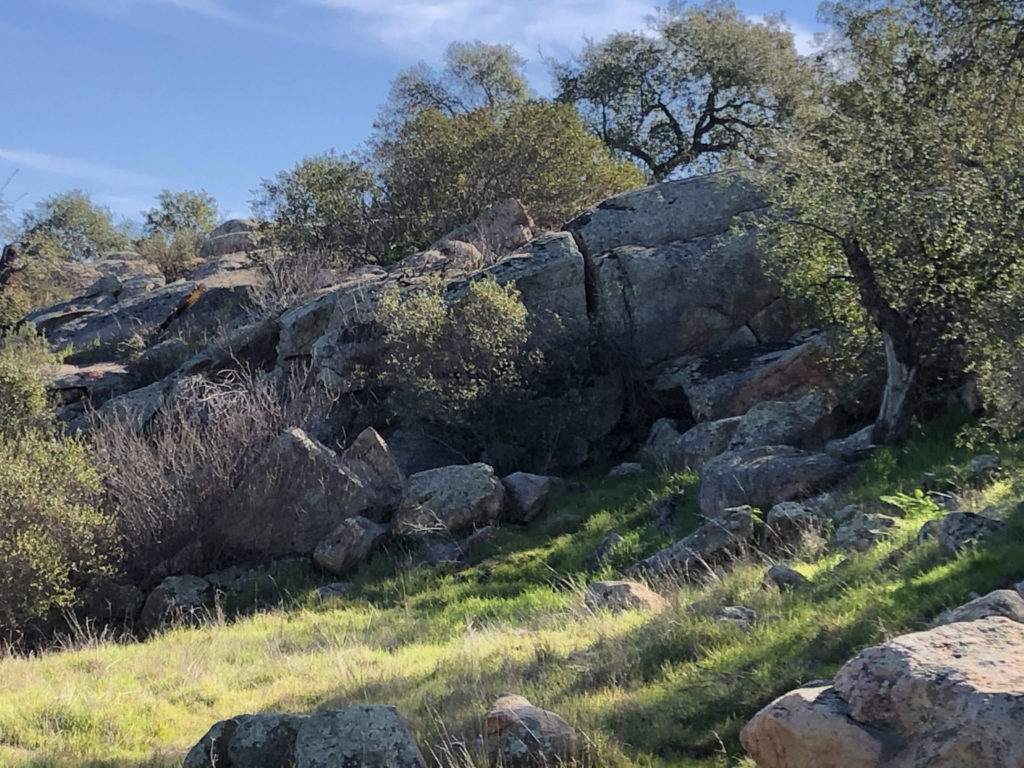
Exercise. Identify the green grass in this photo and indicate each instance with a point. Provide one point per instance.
(441, 643)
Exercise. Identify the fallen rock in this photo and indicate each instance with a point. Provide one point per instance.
(784, 577)
(367, 737)
(862, 532)
(811, 728)
(618, 596)
(516, 733)
(453, 500)
(349, 545)
(177, 599)
(965, 529)
(711, 544)
(803, 423)
(293, 497)
(1002, 602)
(369, 457)
(788, 521)
(525, 495)
(764, 476)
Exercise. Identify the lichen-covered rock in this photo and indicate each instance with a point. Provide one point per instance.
(737, 614)
(788, 521)
(516, 733)
(265, 740)
(618, 596)
(764, 476)
(709, 545)
(862, 532)
(453, 500)
(362, 737)
(211, 751)
(525, 495)
(803, 423)
(349, 545)
(177, 599)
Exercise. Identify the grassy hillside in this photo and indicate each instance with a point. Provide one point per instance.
(443, 643)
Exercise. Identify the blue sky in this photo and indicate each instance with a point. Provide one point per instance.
(123, 98)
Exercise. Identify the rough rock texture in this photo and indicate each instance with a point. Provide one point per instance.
(94, 383)
(952, 696)
(709, 545)
(964, 529)
(211, 751)
(232, 236)
(605, 547)
(852, 446)
(737, 614)
(1002, 602)
(451, 499)
(862, 532)
(264, 741)
(788, 521)
(803, 423)
(525, 495)
(370, 458)
(176, 599)
(516, 733)
(762, 477)
(626, 469)
(348, 545)
(693, 448)
(159, 361)
(811, 728)
(727, 383)
(292, 498)
(367, 737)
(618, 596)
(496, 232)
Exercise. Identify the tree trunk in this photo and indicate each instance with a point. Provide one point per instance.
(902, 358)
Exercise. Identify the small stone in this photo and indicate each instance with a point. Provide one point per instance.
(618, 596)
(737, 614)
(516, 733)
(784, 577)
(334, 589)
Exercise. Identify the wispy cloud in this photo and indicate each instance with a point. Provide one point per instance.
(214, 10)
(81, 170)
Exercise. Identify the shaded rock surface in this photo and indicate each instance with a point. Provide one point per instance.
(695, 554)
(453, 499)
(1002, 602)
(525, 495)
(176, 599)
(516, 733)
(964, 529)
(348, 545)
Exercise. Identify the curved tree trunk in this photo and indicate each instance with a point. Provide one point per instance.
(902, 358)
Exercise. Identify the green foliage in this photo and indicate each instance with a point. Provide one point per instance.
(24, 404)
(475, 75)
(706, 83)
(318, 206)
(438, 172)
(69, 227)
(456, 363)
(900, 204)
(54, 540)
(174, 230)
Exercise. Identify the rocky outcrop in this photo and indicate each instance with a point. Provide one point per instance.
(525, 495)
(233, 236)
(862, 531)
(516, 733)
(450, 500)
(618, 596)
(960, 530)
(950, 696)
(370, 458)
(764, 476)
(789, 521)
(1002, 602)
(715, 541)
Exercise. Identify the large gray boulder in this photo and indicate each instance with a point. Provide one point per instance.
(764, 476)
(177, 599)
(803, 423)
(516, 733)
(667, 449)
(961, 530)
(363, 737)
(292, 498)
(713, 543)
(233, 236)
(1001, 602)
(451, 500)
(266, 740)
(949, 696)
(525, 495)
(370, 458)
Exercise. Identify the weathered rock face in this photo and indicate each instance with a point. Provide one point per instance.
(177, 599)
(1002, 602)
(349, 545)
(762, 477)
(788, 521)
(211, 751)
(233, 236)
(862, 532)
(292, 498)
(450, 500)
(618, 596)
(525, 495)
(516, 733)
(713, 542)
(368, 737)
(496, 232)
(369, 457)
(802, 423)
(949, 696)
(667, 449)
(264, 741)
(964, 529)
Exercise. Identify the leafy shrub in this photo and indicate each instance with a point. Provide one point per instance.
(23, 397)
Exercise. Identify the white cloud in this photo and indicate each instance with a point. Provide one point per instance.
(82, 170)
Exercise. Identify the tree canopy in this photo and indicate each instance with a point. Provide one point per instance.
(69, 227)
(704, 84)
(173, 231)
(900, 200)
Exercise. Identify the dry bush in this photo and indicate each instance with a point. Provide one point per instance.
(170, 482)
(291, 277)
